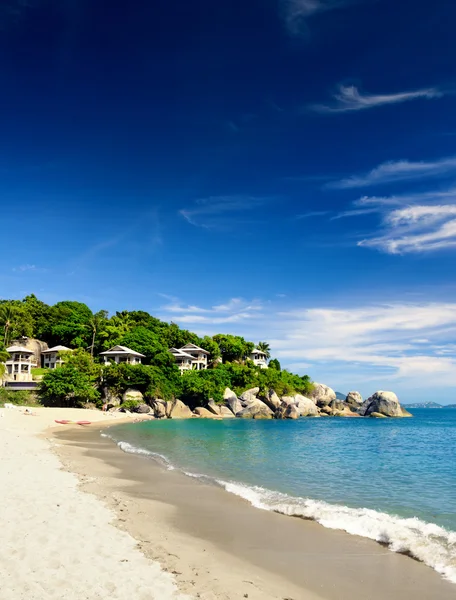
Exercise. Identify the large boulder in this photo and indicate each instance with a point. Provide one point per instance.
(322, 395)
(132, 395)
(213, 408)
(178, 410)
(142, 409)
(228, 394)
(384, 403)
(292, 412)
(159, 408)
(204, 413)
(256, 409)
(249, 395)
(337, 405)
(234, 404)
(271, 399)
(306, 407)
(226, 413)
(354, 399)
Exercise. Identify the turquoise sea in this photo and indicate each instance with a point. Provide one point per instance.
(392, 480)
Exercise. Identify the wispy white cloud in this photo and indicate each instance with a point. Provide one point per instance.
(29, 268)
(367, 347)
(349, 98)
(411, 198)
(314, 213)
(219, 212)
(232, 311)
(402, 170)
(296, 12)
(420, 228)
(357, 212)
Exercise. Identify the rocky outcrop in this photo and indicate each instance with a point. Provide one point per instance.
(255, 409)
(235, 405)
(213, 408)
(384, 403)
(377, 415)
(178, 410)
(354, 399)
(159, 408)
(142, 409)
(292, 412)
(226, 413)
(205, 414)
(306, 407)
(249, 395)
(322, 395)
(132, 396)
(228, 394)
(272, 400)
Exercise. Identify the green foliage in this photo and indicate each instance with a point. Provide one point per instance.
(198, 387)
(130, 405)
(15, 322)
(67, 387)
(233, 347)
(274, 364)
(264, 347)
(149, 380)
(209, 344)
(148, 343)
(19, 398)
(70, 325)
(38, 371)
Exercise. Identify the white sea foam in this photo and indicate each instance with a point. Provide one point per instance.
(429, 543)
(426, 542)
(130, 449)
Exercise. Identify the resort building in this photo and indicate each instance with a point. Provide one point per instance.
(183, 360)
(190, 357)
(121, 354)
(20, 364)
(259, 358)
(51, 357)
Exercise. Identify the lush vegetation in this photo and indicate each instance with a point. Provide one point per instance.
(83, 378)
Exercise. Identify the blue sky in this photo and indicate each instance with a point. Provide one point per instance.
(281, 169)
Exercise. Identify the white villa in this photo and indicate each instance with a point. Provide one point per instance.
(20, 364)
(121, 354)
(51, 358)
(259, 358)
(190, 357)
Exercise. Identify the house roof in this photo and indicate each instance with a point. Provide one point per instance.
(256, 351)
(179, 354)
(194, 347)
(56, 349)
(19, 349)
(121, 350)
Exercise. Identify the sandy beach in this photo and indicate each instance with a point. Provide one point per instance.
(112, 525)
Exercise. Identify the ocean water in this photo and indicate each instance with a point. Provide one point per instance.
(391, 480)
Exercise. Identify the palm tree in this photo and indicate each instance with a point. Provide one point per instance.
(95, 323)
(7, 315)
(264, 347)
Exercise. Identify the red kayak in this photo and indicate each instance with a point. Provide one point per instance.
(65, 422)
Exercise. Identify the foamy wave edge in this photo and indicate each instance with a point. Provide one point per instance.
(426, 542)
(431, 544)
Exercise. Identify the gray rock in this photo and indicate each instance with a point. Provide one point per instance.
(213, 408)
(249, 395)
(226, 413)
(178, 410)
(256, 409)
(337, 405)
(204, 413)
(306, 407)
(322, 395)
(131, 394)
(292, 412)
(234, 404)
(142, 409)
(384, 403)
(354, 399)
(377, 415)
(272, 400)
(229, 394)
(159, 408)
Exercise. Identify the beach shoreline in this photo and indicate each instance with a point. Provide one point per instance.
(224, 542)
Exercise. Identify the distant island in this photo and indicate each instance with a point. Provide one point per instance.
(428, 405)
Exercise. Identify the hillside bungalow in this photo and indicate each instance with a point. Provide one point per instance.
(121, 354)
(190, 356)
(20, 364)
(51, 358)
(259, 358)
(183, 360)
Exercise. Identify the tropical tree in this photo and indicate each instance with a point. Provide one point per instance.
(96, 323)
(7, 316)
(233, 347)
(264, 347)
(67, 387)
(274, 364)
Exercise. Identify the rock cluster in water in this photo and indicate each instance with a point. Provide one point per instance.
(253, 405)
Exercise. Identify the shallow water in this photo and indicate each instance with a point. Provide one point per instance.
(393, 480)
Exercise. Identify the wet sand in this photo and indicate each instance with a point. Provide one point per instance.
(218, 546)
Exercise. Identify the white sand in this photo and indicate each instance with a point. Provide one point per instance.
(56, 541)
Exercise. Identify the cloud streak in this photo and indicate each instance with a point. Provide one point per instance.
(396, 171)
(349, 99)
(296, 12)
(420, 228)
(219, 212)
